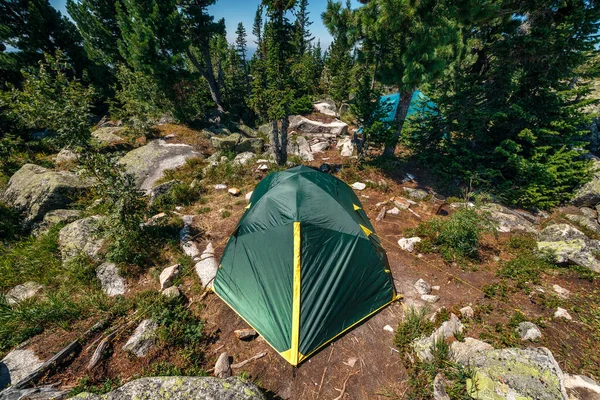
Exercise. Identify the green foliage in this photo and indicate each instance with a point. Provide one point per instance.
(179, 195)
(88, 385)
(51, 99)
(9, 223)
(140, 100)
(415, 325)
(455, 237)
(301, 105)
(508, 121)
(526, 268)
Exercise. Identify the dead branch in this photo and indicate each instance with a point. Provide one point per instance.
(343, 391)
(241, 364)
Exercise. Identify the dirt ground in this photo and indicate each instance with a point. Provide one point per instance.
(363, 363)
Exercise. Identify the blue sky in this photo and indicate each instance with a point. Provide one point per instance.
(235, 11)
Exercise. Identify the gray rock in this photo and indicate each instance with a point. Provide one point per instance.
(589, 194)
(462, 352)
(319, 147)
(516, 373)
(207, 267)
(244, 158)
(111, 282)
(589, 212)
(22, 292)
(562, 313)
(82, 237)
(299, 146)
(317, 128)
(423, 345)
(54, 217)
(149, 163)
(182, 388)
(509, 220)
(581, 387)
(585, 221)
(408, 244)
(143, 338)
(34, 191)
(37, 393)
(237, 143)
(416, 194)
(107, 137)
(358, 186)
(346, 147)
(186, 238)
(171, 292)
(223, 366)
(528, 331)
(561, 292)
(422, 286)
(439, 388)
(430, 298)
(245, 334)
(17, 365)
(570, 246)
(467, 312)
(394, 211)
(66, 156)
(168, 275)
(326, 108)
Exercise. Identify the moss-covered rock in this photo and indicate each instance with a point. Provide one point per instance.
(149, 163)
(108, 138)
(180, 388)
(35, 190)
(516, 374)
(237, 143)
(82, 237)
(570, 246)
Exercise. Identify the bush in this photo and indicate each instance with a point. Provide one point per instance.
(180, 194)
(9, 222)
(301, 105)
(456, 237)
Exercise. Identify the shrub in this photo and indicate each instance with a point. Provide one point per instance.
(414, 325)
(178, 195)
(9, 222)
(455, 237)
(301, 105)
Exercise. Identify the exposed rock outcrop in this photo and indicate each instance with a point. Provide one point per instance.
(570, 245)
(54, 217)
(107, 137)
(149, 163)
(182, 388)
(82, 237)
(510, 220)
(22, 292)
(237, 143)
(17, 365)
(317, 128)
(111, 282)
(143, 338)
(35, 190)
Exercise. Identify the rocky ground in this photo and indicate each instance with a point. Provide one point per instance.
(525, 329)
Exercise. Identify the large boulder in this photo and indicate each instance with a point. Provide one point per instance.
(237, 143)
(17, 365)
(582, 387)
(182, 388)
(510, 220)
(35, 190)
(570, 246)
(149, 163)
(299, 146)
(23, 292)
(589, 194)
(317, 128)
(82, 237)
(531, 373)
(326, 107)
(54, 217)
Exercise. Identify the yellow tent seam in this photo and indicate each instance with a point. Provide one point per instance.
(295, 342)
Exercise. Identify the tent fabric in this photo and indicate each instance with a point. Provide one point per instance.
(419, 104)
(304, 263)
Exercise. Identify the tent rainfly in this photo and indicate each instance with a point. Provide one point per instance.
(304, 264)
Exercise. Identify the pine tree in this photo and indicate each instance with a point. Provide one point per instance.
(302, 36)
(241, 51)
(32, 28)
(412, 40)
(257, 31)
(200, 27)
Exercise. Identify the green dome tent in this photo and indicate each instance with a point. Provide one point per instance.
(304, 264)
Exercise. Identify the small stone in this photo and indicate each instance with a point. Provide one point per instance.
(467, 312)
(171, 292)
(528, 331)
(401, 203)
(422, 287)
(358, 186)
(439, 388)
(381, 215)
(408, 244)
(430, 298)
(170, 136)
(562, 313)
(143, 338)
(435, 288)
(388, 328)
(393, 211)
(245, 334)
(23, 292)
(463, 351)
(223, 366)
(248, 195)
(351, 362)
(111, 282)
(207, 267)
(234, 191)
(262, 167)
(562, 292)
(220, 186)
(416, 194)
(168, 275)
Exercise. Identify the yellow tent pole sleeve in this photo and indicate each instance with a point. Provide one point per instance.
(296, 298)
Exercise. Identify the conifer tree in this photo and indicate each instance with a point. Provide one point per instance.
(257, 31)
(302, 36)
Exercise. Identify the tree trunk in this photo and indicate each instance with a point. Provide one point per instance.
(285, 123)
(399, 118)
(275, 140)
(208, 74)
